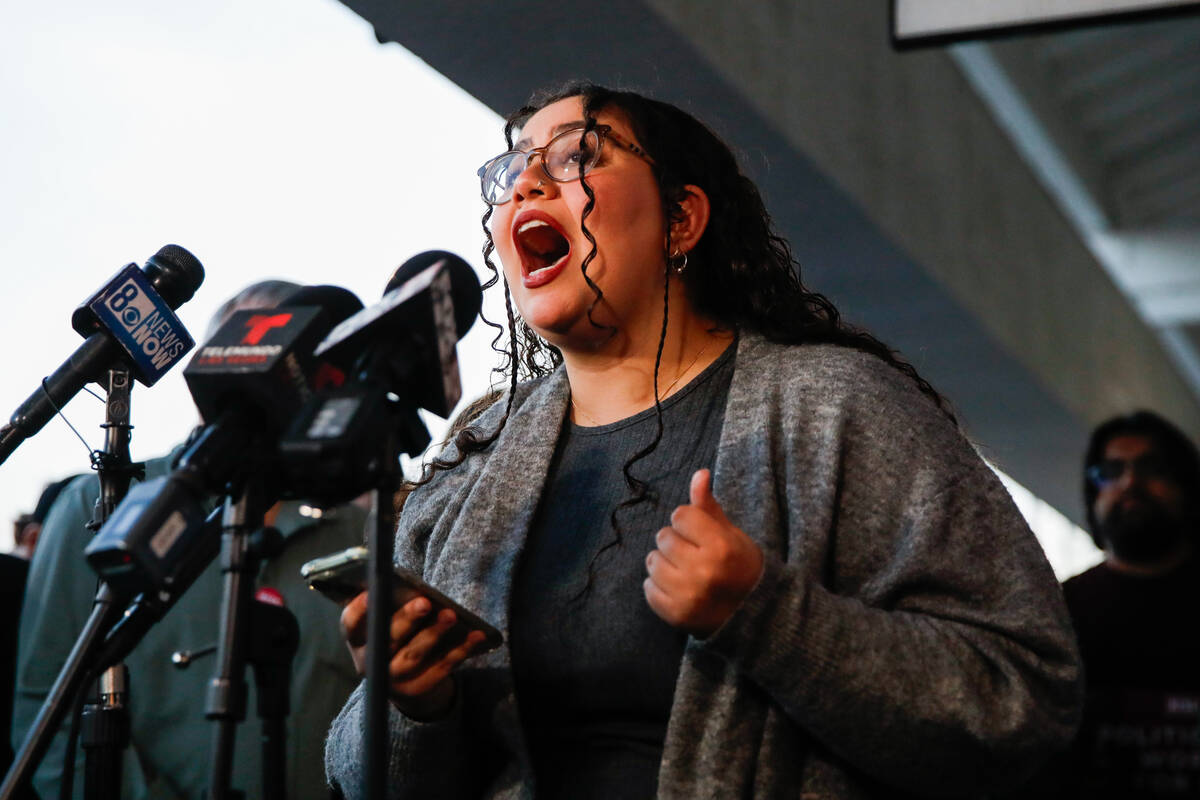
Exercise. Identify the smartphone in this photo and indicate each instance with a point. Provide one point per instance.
(343, 576)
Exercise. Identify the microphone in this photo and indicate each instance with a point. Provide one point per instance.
(468, 297)
(408, 338)
(400, 354)
(263, 359)
(129, 319)
(346, 441)
(248, 381)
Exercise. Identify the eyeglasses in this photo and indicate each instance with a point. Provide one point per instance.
(564, 158)
(1110, 470)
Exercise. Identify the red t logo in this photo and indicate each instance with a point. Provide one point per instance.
(259, 324)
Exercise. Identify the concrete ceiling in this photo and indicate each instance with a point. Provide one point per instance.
(1109, 117)
(1126, 101)
(993, 262)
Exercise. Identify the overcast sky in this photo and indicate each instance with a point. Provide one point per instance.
(269, 138)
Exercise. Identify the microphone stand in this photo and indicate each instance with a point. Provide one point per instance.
(116, 472)
(63, 384)
(266, 636)
(104, 730)
(380, 560)
(274, 642)
(66, 686)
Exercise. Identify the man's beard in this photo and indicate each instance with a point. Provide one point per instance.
(1145, 533)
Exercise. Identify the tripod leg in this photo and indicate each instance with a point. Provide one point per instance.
(72, 676)
(104, 734)
(226, 700)
(275, 637)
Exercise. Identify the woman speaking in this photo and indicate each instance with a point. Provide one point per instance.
(738, 548)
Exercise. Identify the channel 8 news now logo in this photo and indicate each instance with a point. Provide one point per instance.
(149, 327)
(130, 305)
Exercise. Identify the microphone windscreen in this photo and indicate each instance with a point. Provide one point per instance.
(464, 284)
(338, 303)
(175, 274)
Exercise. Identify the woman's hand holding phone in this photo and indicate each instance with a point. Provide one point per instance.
(422, 657)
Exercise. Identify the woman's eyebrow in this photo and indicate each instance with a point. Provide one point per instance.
(564, 126)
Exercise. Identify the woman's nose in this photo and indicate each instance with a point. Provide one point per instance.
(532, 180)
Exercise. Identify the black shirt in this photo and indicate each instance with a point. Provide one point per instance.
(595, 668)
(1139, 638)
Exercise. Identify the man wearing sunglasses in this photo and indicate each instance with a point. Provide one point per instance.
(1137, 614)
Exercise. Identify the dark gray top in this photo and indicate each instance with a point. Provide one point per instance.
(594, 667)
(906, 637)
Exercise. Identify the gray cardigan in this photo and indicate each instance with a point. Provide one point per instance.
(907, 634)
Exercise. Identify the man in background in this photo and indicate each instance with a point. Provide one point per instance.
(27, 527)
(1138, 614)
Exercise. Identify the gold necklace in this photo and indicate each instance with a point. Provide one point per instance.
(684, 371)
(582, 413)
(589, 418)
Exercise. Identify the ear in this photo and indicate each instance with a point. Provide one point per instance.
(686, 233)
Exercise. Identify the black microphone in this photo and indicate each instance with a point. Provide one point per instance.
(400, 355)
(130, 319)
(263, 358)
(410, 334)
(468, 297)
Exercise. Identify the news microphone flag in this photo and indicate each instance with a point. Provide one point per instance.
(140, 321)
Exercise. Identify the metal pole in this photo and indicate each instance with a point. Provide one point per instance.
(104, 733)
(380, 548)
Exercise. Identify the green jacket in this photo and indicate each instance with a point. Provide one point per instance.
(170, 740)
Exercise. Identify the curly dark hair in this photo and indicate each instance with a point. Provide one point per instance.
(741, 274)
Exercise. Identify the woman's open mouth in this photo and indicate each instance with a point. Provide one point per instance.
(543, 248)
